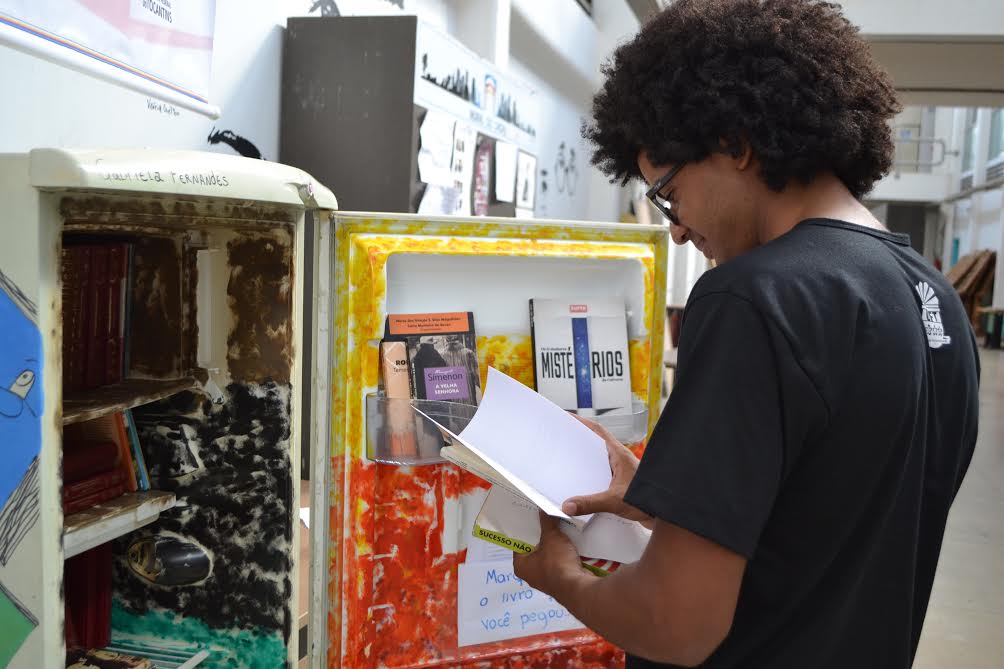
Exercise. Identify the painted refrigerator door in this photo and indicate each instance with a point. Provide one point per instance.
(30, 566)
(401, 575)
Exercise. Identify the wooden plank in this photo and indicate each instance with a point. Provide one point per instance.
(961, 268)
(983, 263)
(110, 520)
(89, 404)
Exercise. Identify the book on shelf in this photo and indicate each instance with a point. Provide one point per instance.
(125, 451)
(96, 294)
(95, 348)
(87, 588)
(118, 266)
(84, 457)
(78, 504)
(536, 455)
(92, 485)
(91, 451)
(442, 355)
(99, 658)
(139, 460)
(75, 275)
(580, 354)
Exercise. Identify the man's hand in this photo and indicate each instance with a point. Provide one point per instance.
(554, 562)
(623, 465)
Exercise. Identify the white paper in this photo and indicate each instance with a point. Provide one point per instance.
(305, 516)
(607, 537)
(494, 605)
(436, 154)
(462, 166)
(536, 445)
(524, 213)
(438, 200)
(526, 180)
(505, 171)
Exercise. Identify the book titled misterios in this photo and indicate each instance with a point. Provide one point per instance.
(580, 349)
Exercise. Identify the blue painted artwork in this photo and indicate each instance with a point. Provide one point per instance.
(20, 442)
(20, 415)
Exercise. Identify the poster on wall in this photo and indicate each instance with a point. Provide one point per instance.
(163, 48)
(453, 79)
(526, 180)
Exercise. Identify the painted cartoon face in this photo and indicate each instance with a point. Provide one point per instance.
(23, 383)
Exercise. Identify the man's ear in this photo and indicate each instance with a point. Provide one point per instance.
(740, 151)
(745, 158)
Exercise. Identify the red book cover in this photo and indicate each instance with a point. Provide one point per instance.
(118, 266)
(87, 586)
(86, 502)
(92, 484)
(98, 325)
(75, 274)
(71, 314)
(85, 458)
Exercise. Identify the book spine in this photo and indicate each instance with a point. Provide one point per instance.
(85, 303)
(583, 374)
(127, 293)
(98, 326)
(143, 475)
(92, 485)
(86, 502)
(85, 459)
(401, 435)
(68, 276)
(126, 465)
(533, 348)
(117, 267)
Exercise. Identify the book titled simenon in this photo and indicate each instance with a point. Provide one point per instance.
(580, 354)
(442, 355)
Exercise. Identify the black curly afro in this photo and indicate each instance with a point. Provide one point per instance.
(792, 78)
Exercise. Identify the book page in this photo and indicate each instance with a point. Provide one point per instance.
(532, 441)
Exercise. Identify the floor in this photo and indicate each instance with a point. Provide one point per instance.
(965, 620)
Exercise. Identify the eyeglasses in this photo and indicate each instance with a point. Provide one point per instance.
(661, 203)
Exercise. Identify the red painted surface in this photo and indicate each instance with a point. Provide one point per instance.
(401, 600)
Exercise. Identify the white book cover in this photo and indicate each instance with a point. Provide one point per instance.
(580, 349)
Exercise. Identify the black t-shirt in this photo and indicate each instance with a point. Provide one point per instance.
(823, 416)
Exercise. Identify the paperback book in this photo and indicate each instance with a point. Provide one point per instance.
(442, 355)
(580, 354)
(536, 455)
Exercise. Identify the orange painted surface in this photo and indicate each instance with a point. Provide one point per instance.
(393, 569)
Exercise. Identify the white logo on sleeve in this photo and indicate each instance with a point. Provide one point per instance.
(930, 313)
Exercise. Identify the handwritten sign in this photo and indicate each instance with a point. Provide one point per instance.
(494, 605)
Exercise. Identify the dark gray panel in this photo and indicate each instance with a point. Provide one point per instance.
(347, 105)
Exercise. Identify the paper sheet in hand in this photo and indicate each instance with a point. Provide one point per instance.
(533, 447)
(510, 521)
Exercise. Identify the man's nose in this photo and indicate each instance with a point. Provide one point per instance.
(680, 234)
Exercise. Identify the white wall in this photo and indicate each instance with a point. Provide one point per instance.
(553, 45)
(49, 105)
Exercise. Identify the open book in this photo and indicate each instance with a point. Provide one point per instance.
(536, 456)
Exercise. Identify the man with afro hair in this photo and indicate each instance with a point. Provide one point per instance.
(825, 411)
